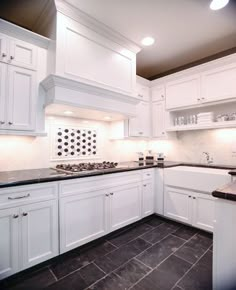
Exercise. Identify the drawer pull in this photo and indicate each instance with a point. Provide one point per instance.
(107, 195)
(24, 213)
(19, 197)
(111, 193)
(144, 185)
(15, 216)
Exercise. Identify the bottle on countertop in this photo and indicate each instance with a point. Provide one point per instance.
(140, 157)
(149, 157)
(160, 157)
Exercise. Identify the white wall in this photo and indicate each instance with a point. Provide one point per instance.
(18, 153)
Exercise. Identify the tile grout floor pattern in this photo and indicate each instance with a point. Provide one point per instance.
(154, 253)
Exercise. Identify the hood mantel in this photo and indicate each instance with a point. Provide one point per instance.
(64, 91)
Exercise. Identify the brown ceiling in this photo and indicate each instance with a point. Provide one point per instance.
(187, 32)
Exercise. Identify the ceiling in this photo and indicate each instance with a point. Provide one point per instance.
(185, 30)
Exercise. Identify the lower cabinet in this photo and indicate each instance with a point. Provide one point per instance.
(29, 235)
(92, 214)
(148, 198)
(192, 208)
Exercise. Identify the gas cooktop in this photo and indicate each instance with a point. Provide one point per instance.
(81, 167)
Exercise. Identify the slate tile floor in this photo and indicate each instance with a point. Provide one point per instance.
(154, 253)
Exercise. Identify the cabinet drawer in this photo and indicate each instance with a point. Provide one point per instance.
(147, 173)
(20, 195)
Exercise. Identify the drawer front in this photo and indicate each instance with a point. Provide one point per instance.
(147, 173)
(82, 185)
(20, 195)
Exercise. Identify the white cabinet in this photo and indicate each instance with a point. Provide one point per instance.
(190, 207)
(203, 211)
(219, 84)
(3, 73)
(140, 125)
(83, 217)
(148, 198)
(183, 92)
(159, 191)
(20, 99)
(9, 242)
(125, 205)
(39, 228)
(29, 229)
(158, 119)
(17, 52)
(178, 205)
(158, 93)
(142, 92)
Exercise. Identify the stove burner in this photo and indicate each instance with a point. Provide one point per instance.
(74, 168)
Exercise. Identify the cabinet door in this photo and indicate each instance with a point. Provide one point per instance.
(83, 218)
(125, 205)
(147, 198)
(22, 54)
(158, 119)
(142, 92)
(159, 191)
(158, 93)
(9, 242)
(3, 73)
(3, 48)
(39, 232)
(184, 92)
(178, 204)
(21, 100)
(219, 84)
(203, 211)
(140, 126)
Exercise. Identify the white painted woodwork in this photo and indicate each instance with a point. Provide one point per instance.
(148, 198)
(158, 119)
(219, 84)
(21, 99)
(85, 55)
(178, 204)
(3, 48)
(39, 232)
(83, 218)
(125, 205)
(3, 74)
(9, 242)
(22, 54)
(142, 92)
(224, 250)
(159, 191)
(158, 93)
(140, 125)
(203, 211)
(183, 92)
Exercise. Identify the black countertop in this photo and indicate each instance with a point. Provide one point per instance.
(23, 177)
(226, 192)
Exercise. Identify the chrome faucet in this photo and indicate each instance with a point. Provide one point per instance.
(209, 159)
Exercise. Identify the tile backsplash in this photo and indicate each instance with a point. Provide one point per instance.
(17, 152)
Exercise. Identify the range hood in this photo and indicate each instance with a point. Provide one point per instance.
(64, 92)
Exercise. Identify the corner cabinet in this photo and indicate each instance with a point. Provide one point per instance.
(158, 119)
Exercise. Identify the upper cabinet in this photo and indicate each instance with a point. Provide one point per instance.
(183, 92)
(158, 93)
(219, 84)
(142, 92)
(85, 54)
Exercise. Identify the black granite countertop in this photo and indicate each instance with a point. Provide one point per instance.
(23, 177)
(232, 172)
(226, 192)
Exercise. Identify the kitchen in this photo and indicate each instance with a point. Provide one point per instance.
(117, 159)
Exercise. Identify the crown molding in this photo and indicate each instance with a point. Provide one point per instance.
(75, 13)
(23, 34)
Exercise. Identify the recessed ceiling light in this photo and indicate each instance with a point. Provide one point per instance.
(218, 4)
(147, 41)
(68, 113)
(107, 118)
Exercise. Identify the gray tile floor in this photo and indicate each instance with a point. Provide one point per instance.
(154, 253)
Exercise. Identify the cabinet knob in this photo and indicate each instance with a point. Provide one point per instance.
(144, 185)
(4, 55)
(111, 193)
(107, 194)
(163, 133)
(141, 96)
(189, 196)
(162, 96)
(194, 197)
(15, 216)
(2, 122)
(10, 123)
(25, 214)
(11, 57)
(199, 99)
(140, 133)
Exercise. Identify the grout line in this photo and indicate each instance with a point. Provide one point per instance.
(107, 241)
(99, 268)
(135, 258)
(176, 284)
(54, 276)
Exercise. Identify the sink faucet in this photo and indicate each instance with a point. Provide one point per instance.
(209, 159)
